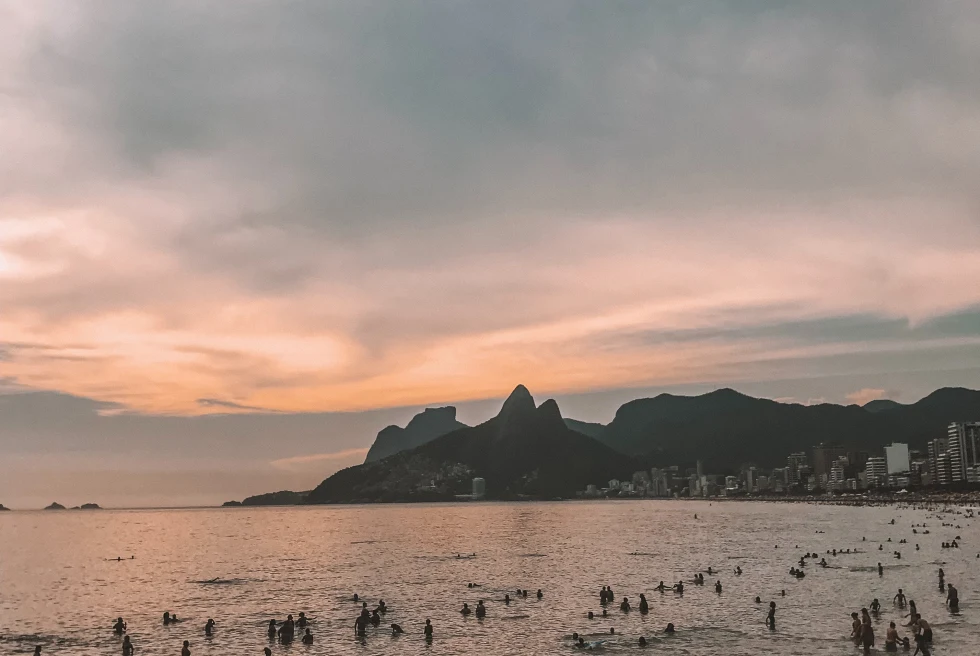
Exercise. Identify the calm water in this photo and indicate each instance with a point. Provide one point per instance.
(57, 589)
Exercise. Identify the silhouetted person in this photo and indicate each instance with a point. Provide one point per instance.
(670, 628)
(208, 627)
(591, 615)
(718, 587)
(428, 629)
(771, 617)
(375, 618)
(301, 621)
(507, 599)
(465, 610)
(186, 651)
(37, 651)
(643, 641)
(308, 637)
(272, 630)
(119, 627)
(127, 647)
(625, 605)
(396, 630)
(361, 623)
(540, 594)
(644, 606)
(267, 651)
(481, 610)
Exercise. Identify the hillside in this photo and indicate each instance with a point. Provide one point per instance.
(424, 427)
(725, 428)
(526, 450)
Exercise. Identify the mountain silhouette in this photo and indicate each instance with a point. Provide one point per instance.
(424, 427)
(524, 451)
(725, 428)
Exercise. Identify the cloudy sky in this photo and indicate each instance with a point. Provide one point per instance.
(318, 217)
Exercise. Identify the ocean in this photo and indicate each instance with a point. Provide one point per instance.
(245, 566)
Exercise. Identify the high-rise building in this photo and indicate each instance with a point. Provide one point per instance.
(824, 456)
(877, 471)
(944, 472)
(897, 458)
(795, 463)
(964, 449)
(935, 448)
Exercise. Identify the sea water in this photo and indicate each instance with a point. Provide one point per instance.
(245, 566)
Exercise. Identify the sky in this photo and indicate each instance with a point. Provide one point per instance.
(238, 239)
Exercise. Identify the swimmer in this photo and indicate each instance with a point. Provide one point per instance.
(383, 608)
(625, 606)
(718, 587)
(540, 594)
(360, 624)
(396, 629)
(670, 628)
(643, 641)
(428, 630)
(119, 627)
(771, 617)
(891, 638)
(758, 600)
(375, 618)
(356, 598)
(272, 630)
(899, 599)
(127, 647)
(308, 637)
(301, 621)
(481, 610)
(465, 610)
(953, 598)
(679, 588)
(186, 651)
(591, 615)
(507, 599)
(644, 606)
(208, 627)
(875, 605)
(855, 628)
(881, 570)
(661, 587)
(605, 613)
(267, 651)
(37, 651)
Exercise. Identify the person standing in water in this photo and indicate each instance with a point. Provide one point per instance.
(644, 606)
(308, 637)
(127, 647)
(119, 627)
(186, 651)
(208, 627)
(900, 599)
(771, 617)
(428, 629)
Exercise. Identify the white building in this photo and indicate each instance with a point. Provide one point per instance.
(877, 471)
(964, 450)
(897, 458)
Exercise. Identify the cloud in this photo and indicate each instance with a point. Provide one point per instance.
(863, 396)
(317, 460)
(379, 206)
(230, 405)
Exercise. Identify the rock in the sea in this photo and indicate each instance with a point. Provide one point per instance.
(55, 506)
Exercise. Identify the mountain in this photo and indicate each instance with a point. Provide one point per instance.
(281, 498)
(881, 405)
(525, 451)
(424, 427)
(725, 428)
(585, 427)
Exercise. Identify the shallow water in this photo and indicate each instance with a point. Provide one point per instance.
(58, 589)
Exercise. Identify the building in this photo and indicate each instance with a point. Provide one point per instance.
(658, 483)
(837, 476)
(824, 457)
(943, 470)
(877, 471)
(963, 440)
(479, 488)
(897, 458)
(934, 449)
(796, 464)
(750, 479)
(614, 484)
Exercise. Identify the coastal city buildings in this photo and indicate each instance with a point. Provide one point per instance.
(831, 467)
